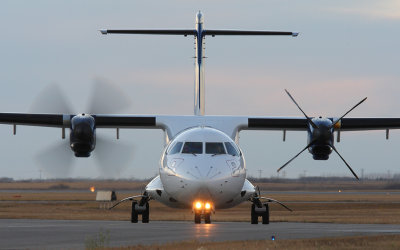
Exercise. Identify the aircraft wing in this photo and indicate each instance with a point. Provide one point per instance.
(46, 120)
(175, 124)
(151, 32)
(248, 33)
(63, 120)
(346, 124)
(352, 124)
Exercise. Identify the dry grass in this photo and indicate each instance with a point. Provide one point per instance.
(139, 185)
(362, 242)
(327, 185)
(375, 208)
(74, 185)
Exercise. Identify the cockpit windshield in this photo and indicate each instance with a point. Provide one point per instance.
(192, 148)
(231, 149)
(175, 148)
(215, 148)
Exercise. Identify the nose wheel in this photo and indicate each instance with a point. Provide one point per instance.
(198, 216)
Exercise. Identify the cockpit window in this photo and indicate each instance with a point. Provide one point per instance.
(215, 148)
(176, 148)
(192, 148)
(231, 149)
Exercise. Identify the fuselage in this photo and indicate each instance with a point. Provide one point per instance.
(201, 163)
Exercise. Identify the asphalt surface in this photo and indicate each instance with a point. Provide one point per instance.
(63, 234)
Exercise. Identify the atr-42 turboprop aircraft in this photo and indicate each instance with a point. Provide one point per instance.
(202, 166)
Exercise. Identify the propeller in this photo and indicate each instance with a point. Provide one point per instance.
(329, 130)
(294, 157)
(308, 118)
(112, 157)
(333, 125)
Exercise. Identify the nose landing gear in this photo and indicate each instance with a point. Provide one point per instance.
(202, 210)
(199, 215)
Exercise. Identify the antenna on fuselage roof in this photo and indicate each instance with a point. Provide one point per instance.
(199, 33)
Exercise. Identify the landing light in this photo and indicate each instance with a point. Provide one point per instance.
(208, 206)
(198, 205)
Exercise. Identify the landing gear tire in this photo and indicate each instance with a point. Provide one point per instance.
(265, 216)
(197, 218)
(146, 214)
(134, 214)
(207, 218)
(254, 215)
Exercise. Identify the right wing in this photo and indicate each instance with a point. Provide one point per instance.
(63, 120)
(150, 32)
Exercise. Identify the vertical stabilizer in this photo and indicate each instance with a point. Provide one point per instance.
(199, 88)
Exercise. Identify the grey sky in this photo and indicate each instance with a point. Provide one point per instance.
(346, 50)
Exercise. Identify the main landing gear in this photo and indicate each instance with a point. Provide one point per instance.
(259, 209)
(142, 207)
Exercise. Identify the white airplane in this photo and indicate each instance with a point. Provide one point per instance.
(202, 167)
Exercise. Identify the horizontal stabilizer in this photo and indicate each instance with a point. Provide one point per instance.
(151, 32)
(248, 33)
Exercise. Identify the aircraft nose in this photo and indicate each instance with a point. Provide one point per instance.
(208, 181)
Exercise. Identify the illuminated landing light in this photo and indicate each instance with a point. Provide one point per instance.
(340, 191)
(208, 206)
(198, 205)
(92, 189)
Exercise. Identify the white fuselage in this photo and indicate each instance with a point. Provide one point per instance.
(215, 171)
(212, 171)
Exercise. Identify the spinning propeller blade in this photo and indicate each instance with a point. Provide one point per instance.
(51, 100)
(333, 125)
(112, 157)
(107, 98)
(308, 118)
(56, 161)
(334, 148)
(284, 165)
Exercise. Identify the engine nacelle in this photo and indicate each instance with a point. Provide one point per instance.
(83, 135)
(320, 152)
(322, 137)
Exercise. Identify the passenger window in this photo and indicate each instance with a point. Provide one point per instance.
(231, 149)
(176, 148)
(215, 148)
(192, 148)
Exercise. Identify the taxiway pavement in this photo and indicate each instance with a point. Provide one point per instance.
(72, 234)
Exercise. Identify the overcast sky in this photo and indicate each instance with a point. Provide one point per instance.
(346, 50)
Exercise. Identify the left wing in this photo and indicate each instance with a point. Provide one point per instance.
(354, 124)
(346, 124)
